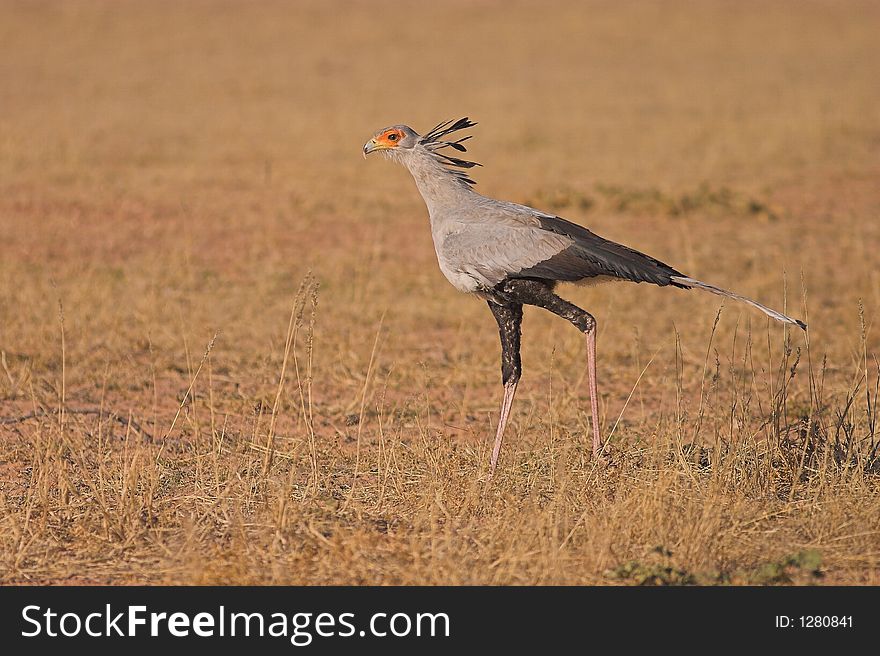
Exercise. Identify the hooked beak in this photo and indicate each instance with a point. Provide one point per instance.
(370, 146)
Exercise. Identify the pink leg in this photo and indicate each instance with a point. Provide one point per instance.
(594, 392)
(509, 391)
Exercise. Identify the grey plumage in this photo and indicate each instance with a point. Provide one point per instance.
(590, 255)
(512, 254)
(481, 242)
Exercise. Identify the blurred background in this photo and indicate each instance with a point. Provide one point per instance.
(173, 170)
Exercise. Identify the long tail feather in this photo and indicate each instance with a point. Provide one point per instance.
(691, 283)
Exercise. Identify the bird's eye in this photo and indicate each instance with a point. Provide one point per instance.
(392, 137)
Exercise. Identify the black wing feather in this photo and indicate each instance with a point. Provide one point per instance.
(591, 256)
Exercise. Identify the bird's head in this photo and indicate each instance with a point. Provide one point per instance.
(402, 143)
(394, 139)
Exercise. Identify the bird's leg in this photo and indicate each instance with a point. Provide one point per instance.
(506, 403)
(594, 390)
(540, 294)
(509, 318)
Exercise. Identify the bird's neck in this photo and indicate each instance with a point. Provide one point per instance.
(439, 186)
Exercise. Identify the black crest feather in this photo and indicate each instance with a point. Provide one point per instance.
(436, 139)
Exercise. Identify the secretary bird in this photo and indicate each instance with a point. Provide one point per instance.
(513, 255)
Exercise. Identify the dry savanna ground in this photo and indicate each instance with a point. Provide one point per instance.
(227, 354)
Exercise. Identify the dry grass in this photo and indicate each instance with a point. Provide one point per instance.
(171, 173)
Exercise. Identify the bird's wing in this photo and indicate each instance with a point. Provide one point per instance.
(506, 240)
(492, 252)
(591, 255)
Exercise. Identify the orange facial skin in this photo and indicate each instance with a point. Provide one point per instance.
(390, 138)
